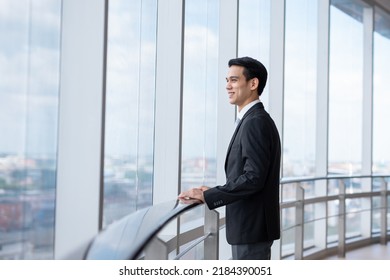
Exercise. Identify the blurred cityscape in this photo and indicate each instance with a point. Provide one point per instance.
(27, 207)
(27, 196)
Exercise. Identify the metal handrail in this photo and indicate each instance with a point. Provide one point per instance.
(192, 246)
(332, 216)
(290, 180)
(300, 201)
(129, 236)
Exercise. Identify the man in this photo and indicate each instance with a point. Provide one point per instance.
(252, 166)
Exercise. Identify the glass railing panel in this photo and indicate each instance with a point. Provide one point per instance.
(355, 185)
(288, 231)
(309, 188)
(377, 184)
(288, 192)
(288, 243)
(194, 253)
(188, 222)
(334, 186)
(308, 234)
(191, 227)
(376, 215)
(314, 226)
(353, 226)
(388, 213)
(358, 211)
(332, 221)
(309, 238)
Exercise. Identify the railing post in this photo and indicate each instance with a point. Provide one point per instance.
(211, 228)
(156, 250)
(383, 212)
(299, 221)
(342, 226)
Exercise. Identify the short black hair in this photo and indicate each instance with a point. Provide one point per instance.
(252, 69)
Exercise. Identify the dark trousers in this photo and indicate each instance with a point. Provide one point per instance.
(256, 251)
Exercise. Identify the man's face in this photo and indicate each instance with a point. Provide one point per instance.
(241, 92)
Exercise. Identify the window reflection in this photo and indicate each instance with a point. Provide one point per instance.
(300, 88)
(29, 70)
(381, 134)
(254, 33)
(200, 91)
(299, 113)
(345, 88)
(129, 127)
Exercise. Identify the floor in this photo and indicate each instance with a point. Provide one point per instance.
(373, 252)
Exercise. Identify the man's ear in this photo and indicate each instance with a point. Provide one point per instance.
(254, 83)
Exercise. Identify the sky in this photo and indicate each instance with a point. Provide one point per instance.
(29, 67)
(30, 59)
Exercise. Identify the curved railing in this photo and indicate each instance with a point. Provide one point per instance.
(136, 235)
(312, 202)
(128, 237)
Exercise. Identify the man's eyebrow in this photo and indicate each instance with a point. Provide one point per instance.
(232, 77)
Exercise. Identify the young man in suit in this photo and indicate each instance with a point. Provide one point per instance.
(252, 166)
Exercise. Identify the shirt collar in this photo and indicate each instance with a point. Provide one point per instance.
(241, 114)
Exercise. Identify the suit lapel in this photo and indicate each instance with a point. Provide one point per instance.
(250, 111)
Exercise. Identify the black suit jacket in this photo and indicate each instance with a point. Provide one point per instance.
(251, 192)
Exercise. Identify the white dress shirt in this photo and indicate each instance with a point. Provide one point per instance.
(241, 114)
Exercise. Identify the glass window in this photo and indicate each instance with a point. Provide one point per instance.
(254, 33)
(381, 134)
(300, 88)
(200, 92)
(29, 89)
(299, 109)
(345, 87)
(129, 128)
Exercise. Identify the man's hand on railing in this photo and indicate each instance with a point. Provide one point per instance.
(194, 195)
